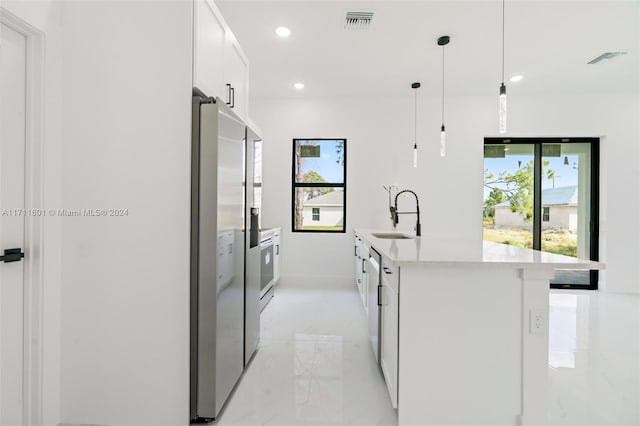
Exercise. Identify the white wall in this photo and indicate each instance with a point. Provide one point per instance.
(125, 299)
(45, 16)
(379, 136)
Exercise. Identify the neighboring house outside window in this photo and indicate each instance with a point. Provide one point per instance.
(562, 202)
(319, 179)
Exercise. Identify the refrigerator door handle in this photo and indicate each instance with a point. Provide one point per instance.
(233, 97)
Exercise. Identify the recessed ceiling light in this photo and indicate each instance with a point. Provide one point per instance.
(283, 31)
(299, 86)
(516, 78)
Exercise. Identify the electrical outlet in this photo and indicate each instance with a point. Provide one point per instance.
(537, 321)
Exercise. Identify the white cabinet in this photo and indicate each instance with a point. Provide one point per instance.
(276, 255)
(236, 76)
(220, 67)
(361, 252)
(364, 287)
(357, 269)
(389, 328)
(210, 44)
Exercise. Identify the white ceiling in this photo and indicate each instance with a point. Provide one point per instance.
(549, 42)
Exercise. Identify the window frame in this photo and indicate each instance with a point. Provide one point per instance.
(546, 213)
(315, 211)
(594, 244)
(295, 185)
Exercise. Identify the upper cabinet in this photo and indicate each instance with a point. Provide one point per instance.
(220, 67)
(237, 76)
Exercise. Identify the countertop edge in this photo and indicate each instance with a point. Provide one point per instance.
(380, 245)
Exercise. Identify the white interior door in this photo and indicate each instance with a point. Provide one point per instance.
(12, 219)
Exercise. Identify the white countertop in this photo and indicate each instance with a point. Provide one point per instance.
(429, 249)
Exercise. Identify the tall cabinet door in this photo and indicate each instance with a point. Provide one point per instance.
(209, 47)
(389, 337)
(237, 76)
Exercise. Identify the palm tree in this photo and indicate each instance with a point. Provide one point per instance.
(551, 175)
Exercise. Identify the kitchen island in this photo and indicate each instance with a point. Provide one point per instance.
(468, 323)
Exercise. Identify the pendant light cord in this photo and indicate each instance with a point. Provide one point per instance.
(415, 117)
(503, 41)
(443, 85)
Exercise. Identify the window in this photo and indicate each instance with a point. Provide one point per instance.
(524, 178)
(319, 176)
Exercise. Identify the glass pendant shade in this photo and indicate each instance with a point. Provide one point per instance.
(443, 141)
(415, 86)
(502, 111)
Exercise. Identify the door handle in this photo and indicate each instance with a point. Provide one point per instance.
(12, 255)
(233, 97)
(379, 296)
(364, 270)
(277, 249)
(228, 94)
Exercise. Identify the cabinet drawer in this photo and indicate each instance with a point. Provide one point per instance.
(391, 274)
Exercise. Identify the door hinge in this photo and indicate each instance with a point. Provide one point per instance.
(12, 255)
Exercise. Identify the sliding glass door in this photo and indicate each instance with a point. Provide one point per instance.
(542, 194)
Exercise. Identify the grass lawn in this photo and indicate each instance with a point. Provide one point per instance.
(559, 241)
(322, 228)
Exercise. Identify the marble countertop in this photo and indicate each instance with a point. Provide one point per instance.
(431, 249)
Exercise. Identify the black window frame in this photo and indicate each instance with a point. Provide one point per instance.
(295, 185)
(594, 246)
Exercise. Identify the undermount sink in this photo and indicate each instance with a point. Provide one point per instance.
(391, 236)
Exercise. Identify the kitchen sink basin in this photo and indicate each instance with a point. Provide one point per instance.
(391, 236)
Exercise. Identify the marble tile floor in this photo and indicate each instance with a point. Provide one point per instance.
(594, 358)
(315, 365)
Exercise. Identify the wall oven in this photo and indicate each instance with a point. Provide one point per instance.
(266, 271)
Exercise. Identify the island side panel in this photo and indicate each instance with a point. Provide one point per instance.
(460, 346)
(535, 344)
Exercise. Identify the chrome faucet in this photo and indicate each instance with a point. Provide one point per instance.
(395, 212)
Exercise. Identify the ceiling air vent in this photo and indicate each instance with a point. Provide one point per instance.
(606, 57)
(358, 20)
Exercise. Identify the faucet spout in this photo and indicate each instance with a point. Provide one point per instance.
(395, 212)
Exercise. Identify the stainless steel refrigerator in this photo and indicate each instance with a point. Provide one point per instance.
(252, 243)
(217, 255)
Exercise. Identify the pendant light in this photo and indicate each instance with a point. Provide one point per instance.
(502, 99)
(415, 87)
(443, 41)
